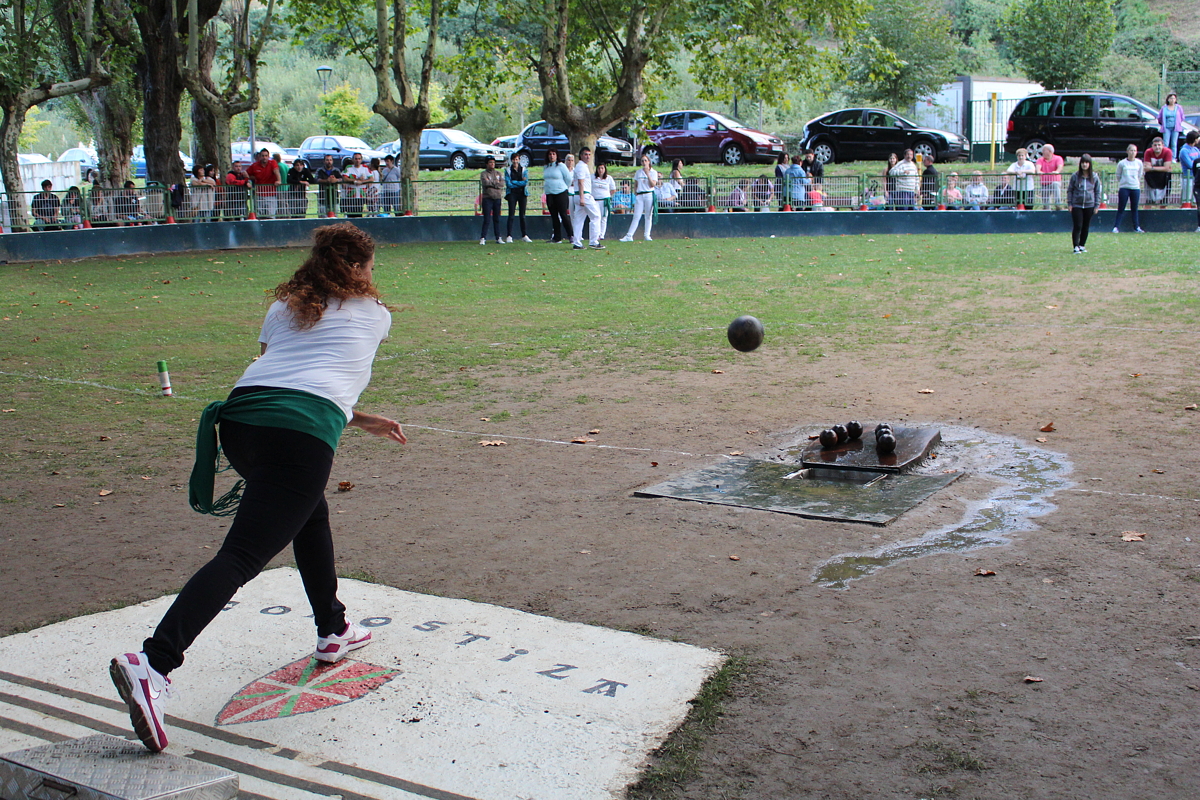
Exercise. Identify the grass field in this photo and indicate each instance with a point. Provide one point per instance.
(80, 340)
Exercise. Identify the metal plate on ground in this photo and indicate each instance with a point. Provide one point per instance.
(105, 767)
(913, 446)
(452, 700)
(845, 496)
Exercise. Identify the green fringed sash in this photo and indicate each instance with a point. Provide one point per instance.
(270, 408)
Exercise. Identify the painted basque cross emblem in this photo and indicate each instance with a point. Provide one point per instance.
(301, 687)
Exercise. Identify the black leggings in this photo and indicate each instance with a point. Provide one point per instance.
(515, 200)
(560, 216)
(283, 503)
(1081, 221)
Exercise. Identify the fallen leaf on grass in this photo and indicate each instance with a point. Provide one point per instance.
(654, 463)
(104, 438)
(345, 486)
(585, 552)
(1052, 307)
(887, 316)
(60, 505)
(105, 492)
(9, 410)
(492, 442)
(1192, 407)
(718, 372)
(1047, 428)
(594, 431)
(1132, 536)
(924, 391)
(581, 440)
(751, 432)
(735, 558)
(1135, 374)
(485, 419)
(1032, 679)
(1157, 471)
(982, 571)
(1041, 439)
(735, 452)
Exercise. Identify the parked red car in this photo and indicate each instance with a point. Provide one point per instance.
(707, 136)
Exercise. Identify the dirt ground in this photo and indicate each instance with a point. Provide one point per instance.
(909, 683)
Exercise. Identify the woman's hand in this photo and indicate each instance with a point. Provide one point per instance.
(379, 426)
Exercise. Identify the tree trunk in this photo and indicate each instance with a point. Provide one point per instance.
(161, 23)
(112, 116)
(206, 147)
(17, 207)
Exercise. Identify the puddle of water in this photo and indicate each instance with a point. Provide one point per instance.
(1026, 477)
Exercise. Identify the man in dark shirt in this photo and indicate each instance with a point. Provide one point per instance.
(929, 185)
(46, 207)
(329, 177)
(814, 169)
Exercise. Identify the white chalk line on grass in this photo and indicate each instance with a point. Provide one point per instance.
(148, 393)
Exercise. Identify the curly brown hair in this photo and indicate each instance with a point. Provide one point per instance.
(331, 272)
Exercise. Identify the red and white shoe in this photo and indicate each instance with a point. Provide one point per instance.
(338, 646)
(143, 690)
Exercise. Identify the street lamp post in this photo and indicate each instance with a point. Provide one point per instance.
(323, 73)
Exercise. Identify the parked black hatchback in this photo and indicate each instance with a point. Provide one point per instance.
(1098, 123)
(869, 134)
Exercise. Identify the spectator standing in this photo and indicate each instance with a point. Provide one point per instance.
(491, 189)
(677, 174)
(737, 197)
(1083, 198)
(516, 190)
(355, 180)
(1130, 171)
(329, 178)
(556, 180)
(372, 188)
(781, 169)
(300, 177)
(572, 192)
(283, 173)
(265, 174)
(1024, 170)
(645, 182)
(796, 183)
(976, 194)
(587, 208)
(1170, 122)
(603, 187)
(814, 169)
(128, 204)
(46, 208)
(929, 185)
(889, 183)
(1050, 166)
(390, 182)
(1159, 163)
(905, 173)
(1187, 160)
(204, 190)
(233, 204)
(1196, 190)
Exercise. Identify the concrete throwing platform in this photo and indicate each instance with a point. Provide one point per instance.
(452, 699)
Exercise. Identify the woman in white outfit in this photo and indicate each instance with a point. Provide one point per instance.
(645, 181)
(603, 187)
(572, 190)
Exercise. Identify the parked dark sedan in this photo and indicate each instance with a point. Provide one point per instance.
(447, 148)
(540, 136)
(869, 134)
(705, 136)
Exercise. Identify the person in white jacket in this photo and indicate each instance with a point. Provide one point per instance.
(587, 207)
(645, 181)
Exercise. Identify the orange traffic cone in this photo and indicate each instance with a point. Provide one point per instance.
(1020, 206)
(941, 207)
(787, 206)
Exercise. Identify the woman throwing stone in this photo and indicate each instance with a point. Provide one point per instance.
(278, 428)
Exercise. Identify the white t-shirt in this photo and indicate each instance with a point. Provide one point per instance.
(603, 188)
(332, 359)
(641, 180)
(581, 178)
(1024, 173)
(362, 172)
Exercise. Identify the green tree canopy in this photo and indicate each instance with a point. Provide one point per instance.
(906, 51)
(1060, 43)
(343, 113)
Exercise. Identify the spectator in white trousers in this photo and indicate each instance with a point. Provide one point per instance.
(587, 207)
(645, 181)
(603, 187)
